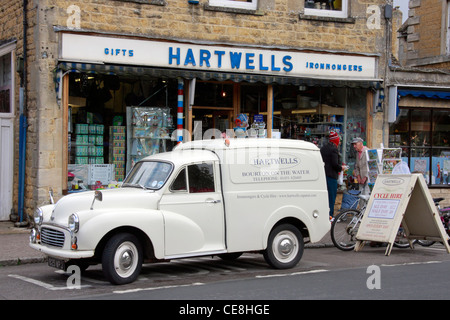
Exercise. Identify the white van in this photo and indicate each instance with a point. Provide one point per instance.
(207, 197)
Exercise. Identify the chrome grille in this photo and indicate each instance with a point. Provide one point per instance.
(52, 237)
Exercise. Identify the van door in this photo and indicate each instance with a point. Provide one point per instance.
(193, 212)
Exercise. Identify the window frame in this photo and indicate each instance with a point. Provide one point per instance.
(185, 171)
(328, 13)
(253, 5)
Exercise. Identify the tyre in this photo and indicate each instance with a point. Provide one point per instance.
(426, 243)
(344, 229)
(284, 247)
(401, 241)
(122, 259)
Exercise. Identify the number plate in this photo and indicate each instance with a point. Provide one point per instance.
(56, 263)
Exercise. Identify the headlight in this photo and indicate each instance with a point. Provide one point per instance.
(74, 222)
(38, 216)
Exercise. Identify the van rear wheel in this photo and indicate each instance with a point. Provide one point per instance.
(285, 247)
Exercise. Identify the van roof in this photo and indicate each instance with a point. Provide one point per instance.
(220, 144)
(185, 157)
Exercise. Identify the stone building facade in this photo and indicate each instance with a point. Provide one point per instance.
(273, 37)
(418, 85)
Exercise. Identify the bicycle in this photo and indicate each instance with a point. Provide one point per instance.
(445, 218)
(346, 224)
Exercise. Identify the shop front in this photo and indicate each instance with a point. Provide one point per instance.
(124, 99)
(420, 126)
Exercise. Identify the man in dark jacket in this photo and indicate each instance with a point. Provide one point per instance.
(331, 158)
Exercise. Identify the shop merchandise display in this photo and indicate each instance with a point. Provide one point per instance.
(148, 130)
(117, 145)
(89, 144)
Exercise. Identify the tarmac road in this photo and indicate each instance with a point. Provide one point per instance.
(24, 274)
(325, 272)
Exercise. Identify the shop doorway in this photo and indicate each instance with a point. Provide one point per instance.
(6, 167)
(214, 109)
(207, 118)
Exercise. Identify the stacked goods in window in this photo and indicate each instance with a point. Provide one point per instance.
(89, 143)
(95, 148)
(117, 150)
(81, 143)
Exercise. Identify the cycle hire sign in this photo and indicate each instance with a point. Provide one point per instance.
(400, 202)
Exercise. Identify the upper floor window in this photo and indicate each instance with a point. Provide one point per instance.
(327, 8)
(238, 4)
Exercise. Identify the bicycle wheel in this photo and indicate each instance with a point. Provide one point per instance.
(426, 243)
(344, 229)
(401, 241)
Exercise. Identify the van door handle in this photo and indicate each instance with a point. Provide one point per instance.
(212, 201)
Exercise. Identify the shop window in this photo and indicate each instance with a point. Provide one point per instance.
(113, 122)
(238, 4)
(327, 8)
(423, 136)
(310, 113)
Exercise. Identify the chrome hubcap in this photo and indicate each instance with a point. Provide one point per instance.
(125, 259)
(285, 246)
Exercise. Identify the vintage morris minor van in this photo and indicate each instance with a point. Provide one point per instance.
(205, 198)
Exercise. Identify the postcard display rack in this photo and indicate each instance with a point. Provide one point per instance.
(148, 129)
(384, 161)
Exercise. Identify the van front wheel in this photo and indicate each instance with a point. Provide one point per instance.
(122, 259)
(285, 247)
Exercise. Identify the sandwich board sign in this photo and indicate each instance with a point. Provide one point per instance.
(400, 201)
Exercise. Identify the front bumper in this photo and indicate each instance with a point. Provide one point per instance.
(57, 242)
(61, 253)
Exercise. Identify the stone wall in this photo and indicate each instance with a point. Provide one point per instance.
(276, 23)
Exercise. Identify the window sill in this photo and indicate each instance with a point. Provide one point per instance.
(152, 2)
(303, 16)
(233, 10)
(438, 186)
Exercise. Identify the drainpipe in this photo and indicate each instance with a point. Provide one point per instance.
(23, 122)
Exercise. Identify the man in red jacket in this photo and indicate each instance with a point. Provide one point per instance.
(331, 158)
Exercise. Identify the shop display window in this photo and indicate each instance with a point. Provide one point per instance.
(113, 122)
(310, 113)
(423, 136)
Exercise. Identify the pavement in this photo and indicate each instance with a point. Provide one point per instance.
(14, 248)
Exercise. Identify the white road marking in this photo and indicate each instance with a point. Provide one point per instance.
(44, 284)
(157, 288)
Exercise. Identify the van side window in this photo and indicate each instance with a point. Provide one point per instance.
(179, 184)
(201, 177)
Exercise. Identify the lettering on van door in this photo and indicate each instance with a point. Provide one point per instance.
(275, 167)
